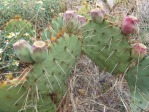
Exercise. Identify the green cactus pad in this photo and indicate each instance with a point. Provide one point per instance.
(38, 102)
(15, 97)
(50, 75)
(138, 80)
(19, 27)
(12, 97)
(57, 25)
(107, 46)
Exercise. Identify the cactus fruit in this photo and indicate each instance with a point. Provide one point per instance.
(81, 20)
(22, 50)
(70, 19)
(97, 15)
(138, 81)
(69, 16)
(129, 25)
(139, 50)
(39, 51)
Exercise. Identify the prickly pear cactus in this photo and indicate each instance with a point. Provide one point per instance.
(19, 27)
(106, 45)
(13, 31)
(49, 73)
(138, 81)
(54, 57)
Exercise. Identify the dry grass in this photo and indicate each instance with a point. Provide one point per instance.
(92, 90)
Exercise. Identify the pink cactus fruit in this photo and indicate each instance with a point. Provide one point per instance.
(139, 50)
(130, 25)
(81, 20)
(69, 16)
(97, 15)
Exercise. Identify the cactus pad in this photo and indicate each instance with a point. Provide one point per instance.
(138, 81)
(50, 75)
(107, 46)
(12, 96)
(16, 98)
(19, 27)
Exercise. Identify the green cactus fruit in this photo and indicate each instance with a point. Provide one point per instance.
(97, 15)
(107, 46)
(19, 27)
(69, 16)
(39, 51)
(12, 95)
(50, 75)
(22, 50)
(138, 81)
(70, 19)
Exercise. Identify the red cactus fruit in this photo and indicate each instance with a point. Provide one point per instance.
(130, 25)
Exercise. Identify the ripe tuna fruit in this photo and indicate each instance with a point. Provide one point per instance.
(129, 25)
(139, 50)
